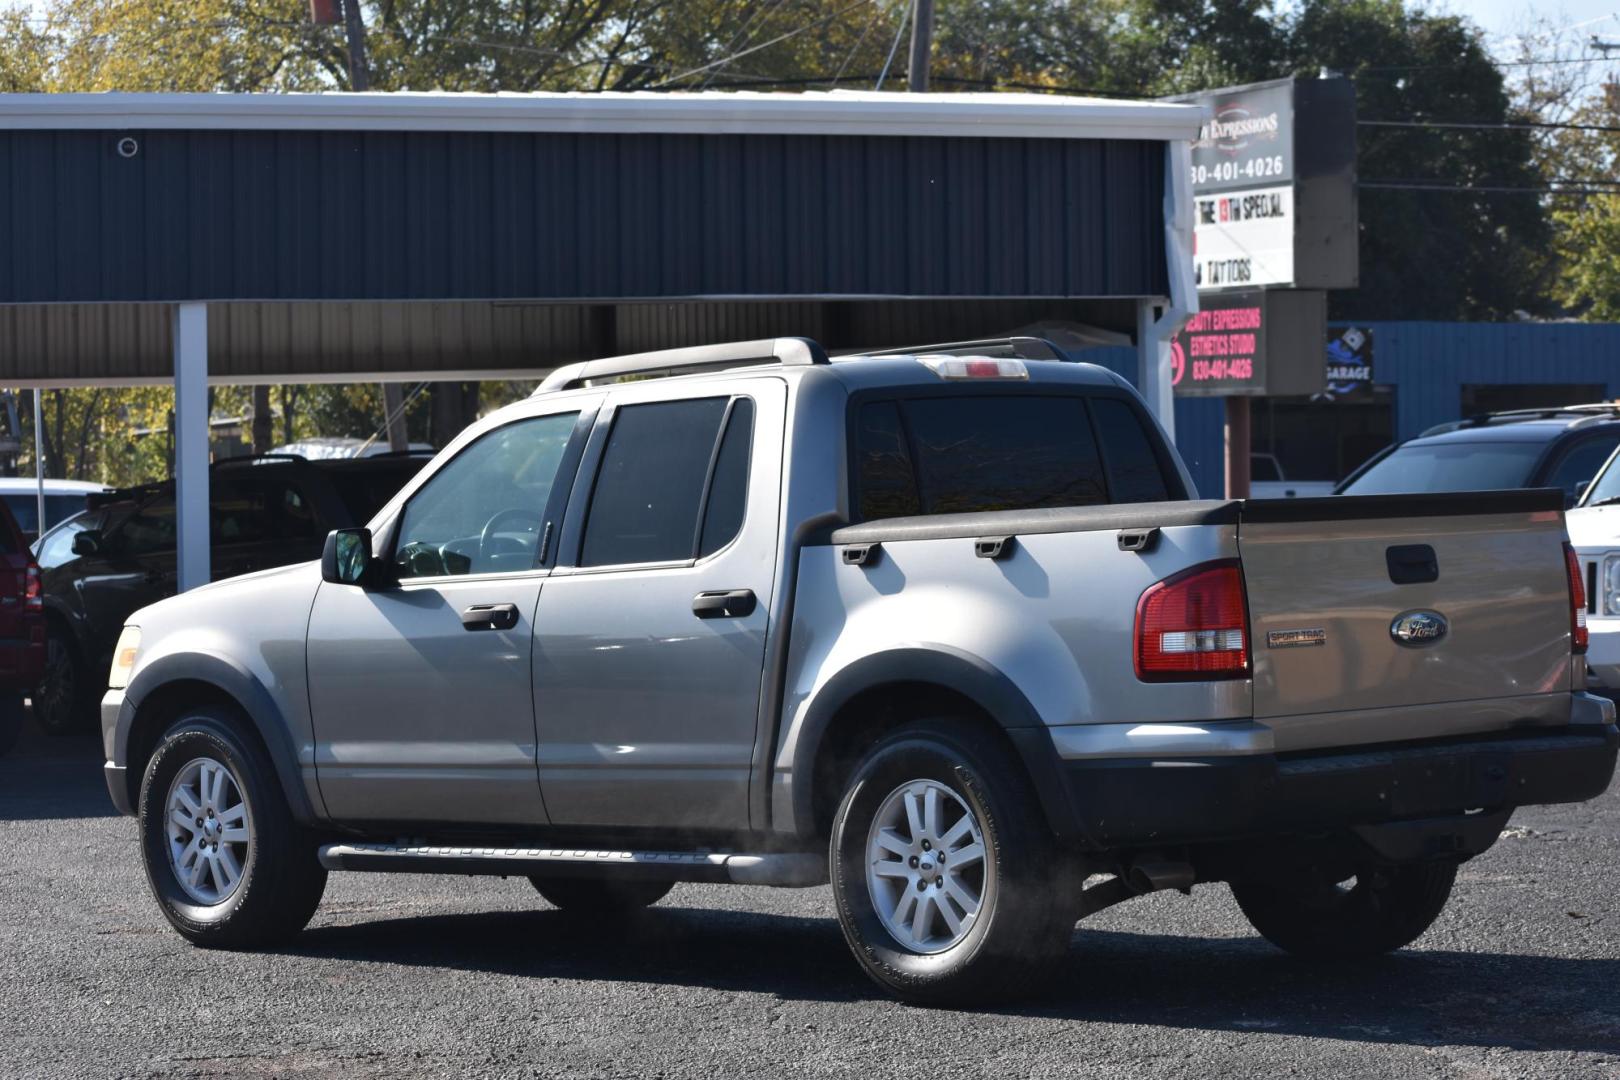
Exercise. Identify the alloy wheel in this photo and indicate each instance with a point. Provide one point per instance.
(926, 868)
(209, 828)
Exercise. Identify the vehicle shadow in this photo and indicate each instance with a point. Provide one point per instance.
(51, 777)
(1415, 997)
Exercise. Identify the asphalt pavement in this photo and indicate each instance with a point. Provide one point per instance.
(452, 977)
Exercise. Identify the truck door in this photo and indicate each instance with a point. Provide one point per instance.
(650, 635)
(420, 690)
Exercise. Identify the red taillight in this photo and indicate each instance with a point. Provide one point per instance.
(1194, 625)
(33, 594)
(1577, 602)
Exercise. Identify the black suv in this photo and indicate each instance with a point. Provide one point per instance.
(1526, 448)
(119, 555)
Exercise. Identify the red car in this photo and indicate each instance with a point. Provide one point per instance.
(22, 627)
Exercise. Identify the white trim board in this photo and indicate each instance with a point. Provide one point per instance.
(838, 112)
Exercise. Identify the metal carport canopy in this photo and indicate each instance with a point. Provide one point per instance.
(322, 237)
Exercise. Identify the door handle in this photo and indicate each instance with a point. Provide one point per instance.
(489, 617)
(724, 605)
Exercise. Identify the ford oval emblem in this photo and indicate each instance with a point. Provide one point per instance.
(1418, 628)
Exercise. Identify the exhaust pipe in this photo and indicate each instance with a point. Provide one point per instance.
(1146, 877)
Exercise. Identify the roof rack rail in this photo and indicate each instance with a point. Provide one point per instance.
(1583, 414)
(1023, 348)
(253, 459)
(793, 351)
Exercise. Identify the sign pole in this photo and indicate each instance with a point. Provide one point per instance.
(1237, 447)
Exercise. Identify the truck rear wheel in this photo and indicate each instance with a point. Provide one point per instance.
(229, 866)
(948, 883)
(600, 896)
(1381, 909)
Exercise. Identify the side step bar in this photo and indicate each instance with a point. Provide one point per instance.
(792, 870)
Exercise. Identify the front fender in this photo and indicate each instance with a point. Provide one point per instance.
(924, 662)
(243, 687)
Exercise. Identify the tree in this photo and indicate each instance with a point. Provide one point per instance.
(1415, 67)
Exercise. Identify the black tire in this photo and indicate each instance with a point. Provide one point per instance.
(281, 881)
(11, 721)
(1386, 908)
(64, 703)
(1028, 886)
(600, 896)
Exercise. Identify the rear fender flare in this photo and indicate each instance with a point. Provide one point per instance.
(955, 670)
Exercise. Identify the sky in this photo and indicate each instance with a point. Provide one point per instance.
(1502, 19)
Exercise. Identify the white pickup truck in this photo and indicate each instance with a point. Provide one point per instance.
(948, 629)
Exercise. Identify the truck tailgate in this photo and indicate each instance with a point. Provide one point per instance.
(1328, 580)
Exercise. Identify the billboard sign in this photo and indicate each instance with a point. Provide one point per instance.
(1273, 182)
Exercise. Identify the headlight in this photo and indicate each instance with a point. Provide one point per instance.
(1609, 586)
(129, 644)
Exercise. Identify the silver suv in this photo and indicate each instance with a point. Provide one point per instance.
(947, 629)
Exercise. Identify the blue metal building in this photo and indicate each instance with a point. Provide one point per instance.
(1427, 373)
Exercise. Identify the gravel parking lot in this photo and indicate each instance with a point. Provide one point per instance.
(421, 976)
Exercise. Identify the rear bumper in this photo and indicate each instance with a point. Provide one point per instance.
(1226, 794)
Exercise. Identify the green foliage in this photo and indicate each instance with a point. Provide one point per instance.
(1431, 254)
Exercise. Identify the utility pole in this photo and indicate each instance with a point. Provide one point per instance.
(359, 72)
(360, 81)
(922, 44)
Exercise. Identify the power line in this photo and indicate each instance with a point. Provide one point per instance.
(877, 13)
(762, 14)
(899, 30)
(762, 45)
(1378, 185)
(1479, 125)
(1548, 61)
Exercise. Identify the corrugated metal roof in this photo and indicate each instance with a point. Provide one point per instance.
(838, 112)
(131, 344)
(328, 215)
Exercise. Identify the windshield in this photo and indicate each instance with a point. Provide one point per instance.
(1450, 466)
(1606, 488)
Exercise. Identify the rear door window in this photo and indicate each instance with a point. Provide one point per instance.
(649, 489)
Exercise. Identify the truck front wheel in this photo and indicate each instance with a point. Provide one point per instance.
(229, 866)
(1380, 909)
(949, 885)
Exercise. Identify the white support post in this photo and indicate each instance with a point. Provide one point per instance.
(1159, 319)
(1154, 335)
(191, 443)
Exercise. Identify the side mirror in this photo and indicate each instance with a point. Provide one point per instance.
(346, 559)
(88, 542)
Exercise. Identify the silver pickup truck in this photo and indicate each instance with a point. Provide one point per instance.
(948, 629)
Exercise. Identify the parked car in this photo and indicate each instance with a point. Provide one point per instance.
(63, 499)
(1266, 481)
(322, 447)
(937, 628)
(1528, 448)
(119, 555)
(1594, 530)
(22, 627)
